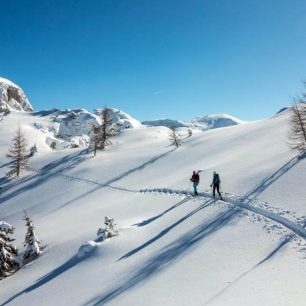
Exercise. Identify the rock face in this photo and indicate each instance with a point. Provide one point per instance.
(12, 97)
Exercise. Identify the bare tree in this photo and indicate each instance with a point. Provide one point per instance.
(174, 138)
(95, 139)
(18, 154)
(107, 129)
(297, 122)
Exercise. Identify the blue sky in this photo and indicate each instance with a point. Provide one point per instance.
(156, 59)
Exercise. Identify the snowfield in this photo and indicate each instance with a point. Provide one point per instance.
(172, 248)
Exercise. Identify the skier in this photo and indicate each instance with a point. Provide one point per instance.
(195, 179)
(216, 184)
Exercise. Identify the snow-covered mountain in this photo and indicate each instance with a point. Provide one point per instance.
(70, 128)
(12, 97)
(170, 123)
(172, 248)
(121, 119)
(214, 121)
(202, 123)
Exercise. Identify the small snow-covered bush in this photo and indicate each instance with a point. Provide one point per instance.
(9, 262)
(109, 230)
(86, 248)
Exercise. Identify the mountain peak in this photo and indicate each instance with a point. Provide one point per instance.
(12, 97)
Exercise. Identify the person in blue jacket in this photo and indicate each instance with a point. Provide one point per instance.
(216, 184)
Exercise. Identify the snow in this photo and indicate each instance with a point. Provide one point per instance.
(172, 248)
(5, 227)
(202, 123)
(72, 128)
(170, 123)
(12, 97)
(86, 249)
(121, 119)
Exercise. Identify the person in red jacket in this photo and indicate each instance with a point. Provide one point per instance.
(195, 179)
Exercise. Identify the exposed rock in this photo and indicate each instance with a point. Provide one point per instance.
(12, 97)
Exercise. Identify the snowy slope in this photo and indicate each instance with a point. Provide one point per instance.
(12, 97)
(172, 249)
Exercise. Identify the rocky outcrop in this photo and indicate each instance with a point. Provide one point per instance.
(12, 97)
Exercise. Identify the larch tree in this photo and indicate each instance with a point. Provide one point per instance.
(18, 155)
(9, 262)
(297, 123)
(174, 138)
(31, 242)
(107, 129)
(95, 139)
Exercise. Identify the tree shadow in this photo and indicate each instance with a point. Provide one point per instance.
(150, 220)
(166, 230)
(72, 262)
(109, 182)
(166, 256)
(5, 165)
(44, 174)
(264, 184)
(283, 243)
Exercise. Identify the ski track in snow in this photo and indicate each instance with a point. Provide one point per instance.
(297, 228)
(248, 202)
(263, 210)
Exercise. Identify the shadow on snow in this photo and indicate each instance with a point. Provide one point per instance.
(73, 261)
(167, 256)
(283, 243)
(167, 229)
(150, 220)
(264, 184)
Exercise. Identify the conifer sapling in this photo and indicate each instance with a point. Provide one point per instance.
(31, 242)
(9, 262)
(109, 230)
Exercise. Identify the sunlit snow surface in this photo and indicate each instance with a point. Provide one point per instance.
(172, 248)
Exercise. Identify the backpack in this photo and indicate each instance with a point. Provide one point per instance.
(217, 179)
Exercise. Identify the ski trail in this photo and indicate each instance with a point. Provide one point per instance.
(296, 228)
(241, 203)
